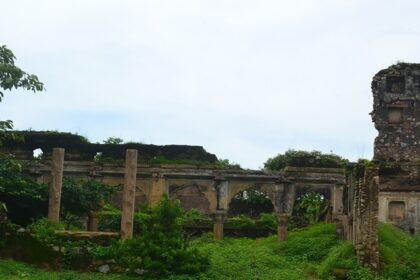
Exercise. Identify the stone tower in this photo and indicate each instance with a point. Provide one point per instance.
(396, 115)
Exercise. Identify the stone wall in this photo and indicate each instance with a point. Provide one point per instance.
(396, 114)
(364, 223)
(79, 148)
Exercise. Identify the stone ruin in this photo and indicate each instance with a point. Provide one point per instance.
(396, 115)
(359, 197)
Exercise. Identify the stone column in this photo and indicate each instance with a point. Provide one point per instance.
(93, 221)
(129, 194)
(282, 219)
(56, 183)
(218, 220)
(338, 200)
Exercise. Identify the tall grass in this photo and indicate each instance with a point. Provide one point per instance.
(313, 253)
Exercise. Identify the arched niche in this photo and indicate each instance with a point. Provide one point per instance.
(314, 195)
(191, 196)
(252, 201)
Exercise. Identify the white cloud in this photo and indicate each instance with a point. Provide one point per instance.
(245, 79)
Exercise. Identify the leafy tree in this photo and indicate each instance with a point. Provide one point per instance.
(250, 202)
(304, 159)
(113, 140)
(81, 198)
(26, 200)
(313, 205)
(12, 77)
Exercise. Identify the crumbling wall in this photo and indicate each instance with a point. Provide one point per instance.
(396, 114)
(365, 216)
(79, 148)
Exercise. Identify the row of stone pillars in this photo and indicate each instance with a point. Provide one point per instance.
(129, 190)
(128, 200)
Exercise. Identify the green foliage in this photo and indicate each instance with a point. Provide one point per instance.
(193, 214)
(11, 270)
(313, 205)
(304, 159)
(341, 257)
(113, 140)
(44, 230)
(81, 198)
(311, 244)
(399, 253)
(160, 248)
(226, 164)
(250, 202)
(264, 259)
(26, 200)
(12, 76)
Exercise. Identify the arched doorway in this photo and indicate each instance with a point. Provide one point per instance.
(250, 202)
(190, 196)
(310, 207)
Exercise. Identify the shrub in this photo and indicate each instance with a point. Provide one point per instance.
(26, 200)
(399, 253)
(80, 198)
(304, 159)
(311, 244)
(160, 249)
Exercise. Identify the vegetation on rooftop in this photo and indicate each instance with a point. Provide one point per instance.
(304, 159)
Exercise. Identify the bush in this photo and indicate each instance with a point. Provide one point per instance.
(399, 253)
(160, 249)
(341, 257)
(304, 159)
(311, 244)
(25, 199)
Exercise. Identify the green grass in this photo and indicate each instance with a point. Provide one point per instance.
(399, 254)
(312, 253)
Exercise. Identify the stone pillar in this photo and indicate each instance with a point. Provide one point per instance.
(282, 219)
(129, 194)
(338, 200)
(365, 218)
(158, 189)
(218, 220)
(93, 221)
(339, 226)
(56, 183)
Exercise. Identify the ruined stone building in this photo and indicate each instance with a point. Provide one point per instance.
(396, 115)
(359, 196)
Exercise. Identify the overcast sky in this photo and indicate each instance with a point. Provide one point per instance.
(244, 79)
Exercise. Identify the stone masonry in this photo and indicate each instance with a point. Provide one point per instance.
(396, 115)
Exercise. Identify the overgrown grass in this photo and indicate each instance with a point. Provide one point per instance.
(313, 253)
(399, 253)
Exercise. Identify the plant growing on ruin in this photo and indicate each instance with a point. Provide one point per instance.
(26, 200)
(81, 198)
(304, 159)
(160, 249)
(314, 206)
(114, 141)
